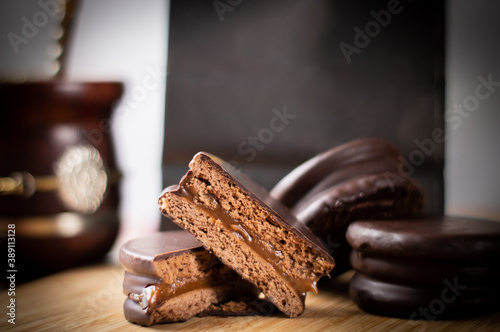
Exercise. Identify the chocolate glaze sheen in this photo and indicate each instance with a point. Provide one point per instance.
(137, 255)
(305, 177)
(135, 283)
(134, 313)
(373, 192)
(406, 301)
(337, 176)
(423, 272)
(442, 237)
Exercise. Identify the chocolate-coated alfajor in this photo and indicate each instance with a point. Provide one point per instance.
(443, 266)
(356, 180)
(248, 231)
(170, 277)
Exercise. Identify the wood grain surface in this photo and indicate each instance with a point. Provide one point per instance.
(91, 299)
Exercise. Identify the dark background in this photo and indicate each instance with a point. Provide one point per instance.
(230, 72)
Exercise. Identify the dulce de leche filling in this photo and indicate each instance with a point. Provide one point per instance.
(155, 294)
(264, 249)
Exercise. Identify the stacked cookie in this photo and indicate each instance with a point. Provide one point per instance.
(243, 242)
(429, 268)
(170, 277)
(354, 181)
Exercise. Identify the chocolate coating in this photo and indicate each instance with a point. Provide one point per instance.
(421, 272)
(373, 196)
(449, 299)
(134, 313)
(438, 238)
(356, 180)
(135, 283)
(337, 178)
(370, 152)
(138, 254)
(170, 277)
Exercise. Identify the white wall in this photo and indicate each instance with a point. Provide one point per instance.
(473, 145)
(126, 40)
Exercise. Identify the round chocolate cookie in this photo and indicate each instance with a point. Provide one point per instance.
(448, 238)
(422, 272)
(358, 198)
(356, 180)
(375, 155)
(449, 299)
(427, 268)
(139, 254)
(170, 277)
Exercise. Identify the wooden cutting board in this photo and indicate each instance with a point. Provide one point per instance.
(91, 299)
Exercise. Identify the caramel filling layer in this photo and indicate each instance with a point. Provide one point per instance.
(264, 249)
(155, 294)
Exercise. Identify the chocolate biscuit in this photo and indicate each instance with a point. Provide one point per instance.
(363, 156)
(450, 238)
(248, 231)
(170, 277)
(447, 264)
(423, 271)
(451, 298)
(356, 180)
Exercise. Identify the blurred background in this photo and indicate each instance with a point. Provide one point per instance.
(156, 117)
(472, 151)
